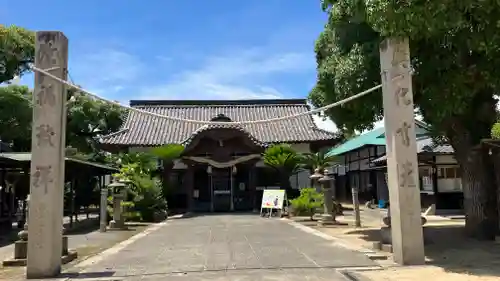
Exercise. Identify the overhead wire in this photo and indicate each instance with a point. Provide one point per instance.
(203, 122)
(71, 84)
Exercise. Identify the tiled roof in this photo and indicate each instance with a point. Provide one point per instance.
(145, 130)
(425, 145)
(228, 126)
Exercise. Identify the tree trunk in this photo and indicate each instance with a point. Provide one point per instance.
(496, 171)
(479, 204)
(285, 181)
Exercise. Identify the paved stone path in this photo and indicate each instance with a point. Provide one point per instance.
(75, 240)
(227, 247)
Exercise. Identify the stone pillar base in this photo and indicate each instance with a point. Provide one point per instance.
(20, 249)
(385, 243)
(21, 253)
(117, 225)
(103, 227)
(326, 219)
(65, 250)
(385, 235)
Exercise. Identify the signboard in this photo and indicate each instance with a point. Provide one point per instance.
(273, 199)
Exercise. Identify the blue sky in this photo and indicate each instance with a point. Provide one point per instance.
(175, 49)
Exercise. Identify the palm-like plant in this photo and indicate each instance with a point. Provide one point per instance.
(319, 160)
(284, 160)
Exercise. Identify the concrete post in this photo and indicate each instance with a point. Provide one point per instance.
(104, 210)
(355, 203)
(47, 157)
(402, 165)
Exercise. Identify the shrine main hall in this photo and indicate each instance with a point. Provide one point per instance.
(221, 168)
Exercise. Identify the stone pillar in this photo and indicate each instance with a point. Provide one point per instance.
(104, 209)
(402, 165)
(118, 221)
(47, 157)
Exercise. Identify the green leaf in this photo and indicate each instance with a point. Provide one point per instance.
(17, 51)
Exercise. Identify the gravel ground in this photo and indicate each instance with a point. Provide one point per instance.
(450, 255)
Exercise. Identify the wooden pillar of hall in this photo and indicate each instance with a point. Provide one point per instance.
(252, 185)
(188, 183)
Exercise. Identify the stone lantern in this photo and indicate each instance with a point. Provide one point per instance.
(119, 191)
(315, 177)
(328, 216)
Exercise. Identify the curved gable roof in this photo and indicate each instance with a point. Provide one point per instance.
(145, 130)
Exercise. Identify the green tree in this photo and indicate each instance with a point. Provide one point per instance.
(147, 198)
(15, 116)
(284, 160)
(455, 53)
(307, 203)
(89, 118)
(17, 51)
(167, 154)
(140, 163)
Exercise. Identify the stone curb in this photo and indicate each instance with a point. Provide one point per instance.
(371, 254)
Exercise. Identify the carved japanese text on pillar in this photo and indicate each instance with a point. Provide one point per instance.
(405, 172)
(44, 134)
(48, 53)
(42, 177)
(402, 97)
(404, 133)
(45, 96)
(399, 55)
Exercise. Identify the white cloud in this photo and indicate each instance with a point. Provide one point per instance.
(236, 75)
(106, 71)
(324, 123)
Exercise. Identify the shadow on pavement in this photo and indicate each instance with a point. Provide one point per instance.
(201, 214)
(448, 247)
(85, 275)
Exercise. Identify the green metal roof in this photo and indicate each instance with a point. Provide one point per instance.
(373, 137)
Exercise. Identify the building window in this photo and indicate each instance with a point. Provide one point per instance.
(449, 173)
(425, 172)
(449, 179)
